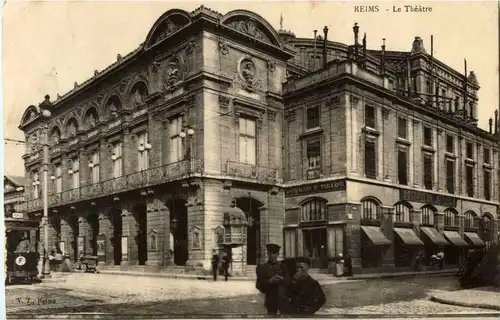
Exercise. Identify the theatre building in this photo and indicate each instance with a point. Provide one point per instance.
(148, 155)
(384, 158)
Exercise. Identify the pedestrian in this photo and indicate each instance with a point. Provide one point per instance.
(418, 261)
(226, 261)
(348, 265)
(215, 264)
(273, 281)
(306, 294)
(24, 244)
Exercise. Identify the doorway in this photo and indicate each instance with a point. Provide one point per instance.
(93, 220)
(179, 229)
(250, 207)
(116, 241)
(140, 213)
(315, 247)
(75, 232)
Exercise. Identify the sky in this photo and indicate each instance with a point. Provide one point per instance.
(48, 46)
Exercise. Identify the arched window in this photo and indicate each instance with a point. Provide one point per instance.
(314, 210)
(72, 127)
(113, 105)
(487, 226)
(428, 215)
(138, 94)
(370, 209)
(91, 119)
(402, 212)
(470, 220)
(451, 218)
(55, 135)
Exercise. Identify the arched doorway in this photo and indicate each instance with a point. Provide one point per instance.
(115, 216)
(75, 232)
(179, 230)
(140, 214)
(250, 207)
(56, 225)
(93, 221)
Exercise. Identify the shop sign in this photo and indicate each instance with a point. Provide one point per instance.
(428, 198)
(337, 185)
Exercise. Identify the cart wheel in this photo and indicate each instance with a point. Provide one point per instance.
(84, 268)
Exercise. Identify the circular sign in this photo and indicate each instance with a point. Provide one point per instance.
(20, 261)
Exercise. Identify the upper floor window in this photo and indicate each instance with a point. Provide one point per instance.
(55, 136)
(403, 166)
(487, 184)
(313, 117)
(314, 210)
(428, 171)
(72, 127)
(117, 159)
(402, 212)
(469, 150)
(313, 159)
(143, 147)
(371, 209)
(402, 128)
(469, 177)
(451, 218)
(428, 216)
(247, 140)
(450, 176)
(91, 119)
(75, 172)
(58, 180)
(370, 117)
(94, 166)
(36, 185)
(486, 157)
(450, 144)
(427, 136)
(487, 227)
(176, 142)
(470, 220)
(370, 159)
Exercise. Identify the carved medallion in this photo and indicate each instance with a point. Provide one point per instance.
(173, 74)
(248, 74)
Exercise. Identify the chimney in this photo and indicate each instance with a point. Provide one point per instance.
(325, 31)
(314, 60)
(382, 57)
(490, 122)
(496, 121)
(364, 45)
(356, 31)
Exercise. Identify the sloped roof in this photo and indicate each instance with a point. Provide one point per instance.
(18, 181)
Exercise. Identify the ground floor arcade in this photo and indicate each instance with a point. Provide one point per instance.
(178, 224)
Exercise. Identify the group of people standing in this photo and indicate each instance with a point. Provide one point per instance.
(221, 260)
(288, 292)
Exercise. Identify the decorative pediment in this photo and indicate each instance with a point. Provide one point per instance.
(29, 115)
(196, 237)
(169, 23)
(252, 25)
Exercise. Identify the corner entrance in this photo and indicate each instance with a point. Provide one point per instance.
(250, 207)
(315, 247)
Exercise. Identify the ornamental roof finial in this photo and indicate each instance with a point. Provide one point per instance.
(281, 22)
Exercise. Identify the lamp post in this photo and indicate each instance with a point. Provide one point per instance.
(45, 107)
(189, 133)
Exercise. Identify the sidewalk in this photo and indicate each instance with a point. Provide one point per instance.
(322, 277)
(485, 298)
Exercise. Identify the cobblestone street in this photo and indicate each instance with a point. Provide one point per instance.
(152, 296)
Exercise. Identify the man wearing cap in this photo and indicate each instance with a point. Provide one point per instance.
(273, 280)
(306, 294)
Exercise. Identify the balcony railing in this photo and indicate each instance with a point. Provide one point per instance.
(251, 172)
(140, 179)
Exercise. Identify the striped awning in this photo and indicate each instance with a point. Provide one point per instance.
(474, 239)
(455, 239)
(376, 236)
(435, 236)
(408, 237)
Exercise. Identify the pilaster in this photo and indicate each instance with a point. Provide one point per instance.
(129, 234)
(439, 223)
(416, 219)
(106, 230)
(461, 225)
(158, 221)
(388, 231)
(84, 230)
(67, 238)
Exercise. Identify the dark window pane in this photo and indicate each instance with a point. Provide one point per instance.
(402, 167)
(450, 176)
(470, 151)
(449, 144)
(370, 160)
(470, 181)
(312, 117)
(402, 128)
(428, 171)
(487, 185)
(370, 116)
(486, 158)
(428, 137)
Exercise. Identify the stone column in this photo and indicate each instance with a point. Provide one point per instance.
(53, 237)
(353, 236)
(83, 230)
(461, 231)
(494, 232)
(67, 237)
(158, 233)
(388, 230)
(197, 256)
(129, 234)
(264, 234)
(105, 229)
(439, 221)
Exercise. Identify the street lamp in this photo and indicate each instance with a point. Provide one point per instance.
(45, 107)
(189, 133)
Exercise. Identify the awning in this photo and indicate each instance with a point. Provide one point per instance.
(455, 239)
(408, 236)
(435, 236)
(474, 238)
(376, 236)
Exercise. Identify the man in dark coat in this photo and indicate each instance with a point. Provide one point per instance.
(306, 294)
(273, 280)
(215, 264)
(226, 261)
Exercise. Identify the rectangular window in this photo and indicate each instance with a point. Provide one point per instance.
(414, 83)
(313, 159)
(95, 167)
(486, 157)
(143, 151)
(402, 128)
(313, 117)
(428, 171)
(443, 96)
(370, 160)
(370, 117)
(470, 150)
(469, 176)
(403, 167)
(450, 176)
(487, 184)
(58, 181)
(176, 142)
(427, 137)
(75, 175)
(248, 139)
(117, 158)
(450, 147)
